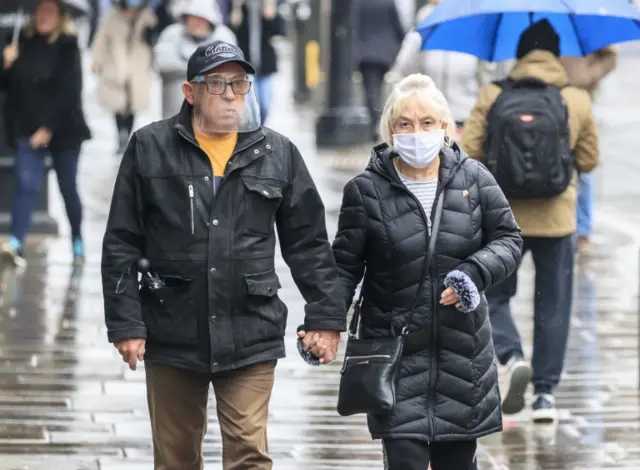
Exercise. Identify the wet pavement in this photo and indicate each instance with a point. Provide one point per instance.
(68, 402)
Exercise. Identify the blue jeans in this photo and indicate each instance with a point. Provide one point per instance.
(263, 88)
(553, 286)
(584, 209)
(29, 172)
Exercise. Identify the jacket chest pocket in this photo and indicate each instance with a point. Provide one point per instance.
(261, 202)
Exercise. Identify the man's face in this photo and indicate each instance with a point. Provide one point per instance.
(216, 106)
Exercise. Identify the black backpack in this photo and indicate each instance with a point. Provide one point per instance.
(527, 141)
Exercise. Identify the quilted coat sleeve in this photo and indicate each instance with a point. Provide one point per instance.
(502, 252)
(350, 241)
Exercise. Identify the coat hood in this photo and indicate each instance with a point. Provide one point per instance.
(543, 65)
(205, 9)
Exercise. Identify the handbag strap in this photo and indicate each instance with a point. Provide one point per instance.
(354, 324)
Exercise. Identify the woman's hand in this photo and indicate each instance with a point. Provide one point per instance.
(449, 297)
(40, 138)
(10, 54)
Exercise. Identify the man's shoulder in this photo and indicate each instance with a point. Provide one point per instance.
(157, 131)
(163, 125)
(280, 142)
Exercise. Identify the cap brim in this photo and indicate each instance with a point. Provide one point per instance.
(245, 65)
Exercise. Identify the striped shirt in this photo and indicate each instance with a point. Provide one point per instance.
(424, 190)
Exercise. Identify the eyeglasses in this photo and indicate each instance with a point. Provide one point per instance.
(218, 86)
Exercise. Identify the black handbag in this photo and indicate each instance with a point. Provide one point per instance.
(369, 372)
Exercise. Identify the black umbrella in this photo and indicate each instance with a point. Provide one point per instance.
(75, 7)
(13, 12)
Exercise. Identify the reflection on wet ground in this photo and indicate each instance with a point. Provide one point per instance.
(67, 402)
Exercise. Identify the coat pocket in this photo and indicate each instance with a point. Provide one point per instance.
(261, 201)
(168, 313)
(265, 315)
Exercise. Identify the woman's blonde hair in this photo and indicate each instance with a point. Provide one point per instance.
(415, 86)
(65, 26)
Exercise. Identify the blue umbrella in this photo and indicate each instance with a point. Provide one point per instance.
(490, 29)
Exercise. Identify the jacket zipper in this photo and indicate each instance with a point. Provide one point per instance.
(434, 336)
(224, 177)
(192, 209)
(434, 322)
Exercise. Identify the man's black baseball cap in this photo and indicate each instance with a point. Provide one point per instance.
(211, 55)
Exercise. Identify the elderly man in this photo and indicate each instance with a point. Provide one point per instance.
(198, 196)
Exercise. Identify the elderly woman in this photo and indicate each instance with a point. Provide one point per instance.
(447, 390)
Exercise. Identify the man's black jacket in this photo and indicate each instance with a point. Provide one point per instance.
(220, 309)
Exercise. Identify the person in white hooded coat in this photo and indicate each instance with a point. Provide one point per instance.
(201, 22)
(459, 76)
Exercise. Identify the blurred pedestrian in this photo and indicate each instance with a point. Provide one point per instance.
(454, 73)
(534, 130)
(42, 77)
(200, 23)
(379, 36)
(586, 73)
(418, 187)
(211, 241)
(122, 60)
(256, 23)
(162, 9)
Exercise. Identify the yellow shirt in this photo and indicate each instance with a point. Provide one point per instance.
(219, 152)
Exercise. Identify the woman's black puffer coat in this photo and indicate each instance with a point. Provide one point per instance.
(447, 390)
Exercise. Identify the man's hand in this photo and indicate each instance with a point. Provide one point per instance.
(40, 138)
(322, 344)
(131, 350)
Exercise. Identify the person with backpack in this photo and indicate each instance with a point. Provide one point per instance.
(535, 133)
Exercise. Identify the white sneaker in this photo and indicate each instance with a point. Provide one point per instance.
(519, 377)
(544, 409)
(12, 256)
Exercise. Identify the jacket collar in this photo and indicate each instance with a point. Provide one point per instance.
(543, 65)
(451, 160)
(246, 140)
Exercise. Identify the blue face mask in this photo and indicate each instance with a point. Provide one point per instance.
(134, 3)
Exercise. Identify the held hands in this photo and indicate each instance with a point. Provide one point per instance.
(321, 344)
(9, 55)
(131, 350)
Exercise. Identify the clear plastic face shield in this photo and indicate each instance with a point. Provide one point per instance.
(225, 101)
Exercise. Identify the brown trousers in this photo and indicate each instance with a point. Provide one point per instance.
(177, 401)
